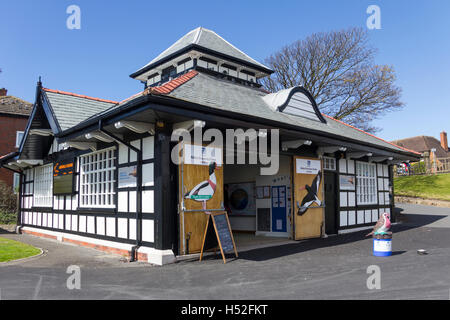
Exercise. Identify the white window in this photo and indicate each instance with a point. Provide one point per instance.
(366, 191)
(97, 181)
(16, 182)
(43, 186)
(19, 136)
(329, 163)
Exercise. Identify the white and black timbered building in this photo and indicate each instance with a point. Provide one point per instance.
(99, 173)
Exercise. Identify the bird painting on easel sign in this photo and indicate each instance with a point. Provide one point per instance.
(205, 189)
(312, 195)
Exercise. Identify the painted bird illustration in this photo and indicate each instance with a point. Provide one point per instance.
(204, 188)
(311, 196)
(382, 226)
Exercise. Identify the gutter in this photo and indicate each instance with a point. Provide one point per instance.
(138, 216)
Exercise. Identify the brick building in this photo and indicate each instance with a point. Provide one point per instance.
(14, 113)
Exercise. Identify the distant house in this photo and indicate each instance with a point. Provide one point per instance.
(424, 144)
(14, 113)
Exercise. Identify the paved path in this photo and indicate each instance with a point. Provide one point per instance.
(332, 268)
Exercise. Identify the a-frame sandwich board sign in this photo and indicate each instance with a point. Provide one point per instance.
(218, 233)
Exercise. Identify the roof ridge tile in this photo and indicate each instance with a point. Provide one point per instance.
(349, 125)
(79, 95)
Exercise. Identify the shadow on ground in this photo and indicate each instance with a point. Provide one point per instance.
(7, 229)
(407, 222)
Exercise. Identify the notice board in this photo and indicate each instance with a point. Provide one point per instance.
(63, 177)
(218, 233)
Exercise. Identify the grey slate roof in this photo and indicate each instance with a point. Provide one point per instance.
(224, 95)
(14, 105)
(422, 144)
(70, 109)
(207, 39)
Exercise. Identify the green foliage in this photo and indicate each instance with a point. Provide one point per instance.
(8, 217)
(13, 250)
(8, 204)
(424, 186)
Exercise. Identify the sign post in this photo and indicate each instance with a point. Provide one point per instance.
(218, 232)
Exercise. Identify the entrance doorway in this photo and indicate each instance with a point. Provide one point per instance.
(330, 202)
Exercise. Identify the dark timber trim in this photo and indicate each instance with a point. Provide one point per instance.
(201, 49)
(164, 199)
(309, 96)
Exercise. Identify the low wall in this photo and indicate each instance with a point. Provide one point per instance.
(427, 202)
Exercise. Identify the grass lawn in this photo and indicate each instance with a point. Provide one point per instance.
(13, 250)
(428, 187)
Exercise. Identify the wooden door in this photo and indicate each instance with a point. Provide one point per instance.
(205, 176)
(330, 202)
(308, 198)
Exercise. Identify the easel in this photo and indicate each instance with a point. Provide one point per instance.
(212, 216)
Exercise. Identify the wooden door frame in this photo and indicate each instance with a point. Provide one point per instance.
(336, 194)
(293, 191)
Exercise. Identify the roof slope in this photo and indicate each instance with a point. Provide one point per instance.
(15, 106)
(224, 95)
(422, 144)
(70, 109)
(203, 89)
(207, 39)
(210, 91)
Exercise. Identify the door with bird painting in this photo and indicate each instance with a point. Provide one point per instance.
(308, 213)
(200, 190)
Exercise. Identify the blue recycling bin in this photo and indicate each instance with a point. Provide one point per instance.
(382, 245)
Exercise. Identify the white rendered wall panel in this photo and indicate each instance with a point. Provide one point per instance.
(101, 226)
(343, 218)
(343, 165)
(122, 228)
(148, 201)
(111, 227)
(148, 145)
(147, 174)
(351, 218)
(132, 228)
(83, 223)
(90, 224)
(148, 230)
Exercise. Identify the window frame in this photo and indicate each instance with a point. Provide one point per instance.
(16, 182)
(43, 186)
(18, 141)
(366, 183)
(329, 160)
(93, 166)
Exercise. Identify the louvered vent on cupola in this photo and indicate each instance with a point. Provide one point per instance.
(296, 101)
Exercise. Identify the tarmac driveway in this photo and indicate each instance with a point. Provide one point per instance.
(331, 268)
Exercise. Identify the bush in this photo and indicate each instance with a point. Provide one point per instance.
(8, 217)
(8, 204)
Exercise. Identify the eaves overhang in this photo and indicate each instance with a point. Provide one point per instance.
(201, 49)
(201, 112)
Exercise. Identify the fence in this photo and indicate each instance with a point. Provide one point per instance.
(425, 166)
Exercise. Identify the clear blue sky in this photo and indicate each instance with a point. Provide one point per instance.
(118, 37)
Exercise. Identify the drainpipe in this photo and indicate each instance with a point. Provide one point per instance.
(139, 188)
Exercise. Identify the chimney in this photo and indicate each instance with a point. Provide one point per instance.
(3, 92)
(444, 142)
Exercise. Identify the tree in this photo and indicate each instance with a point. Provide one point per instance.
(338, 69)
